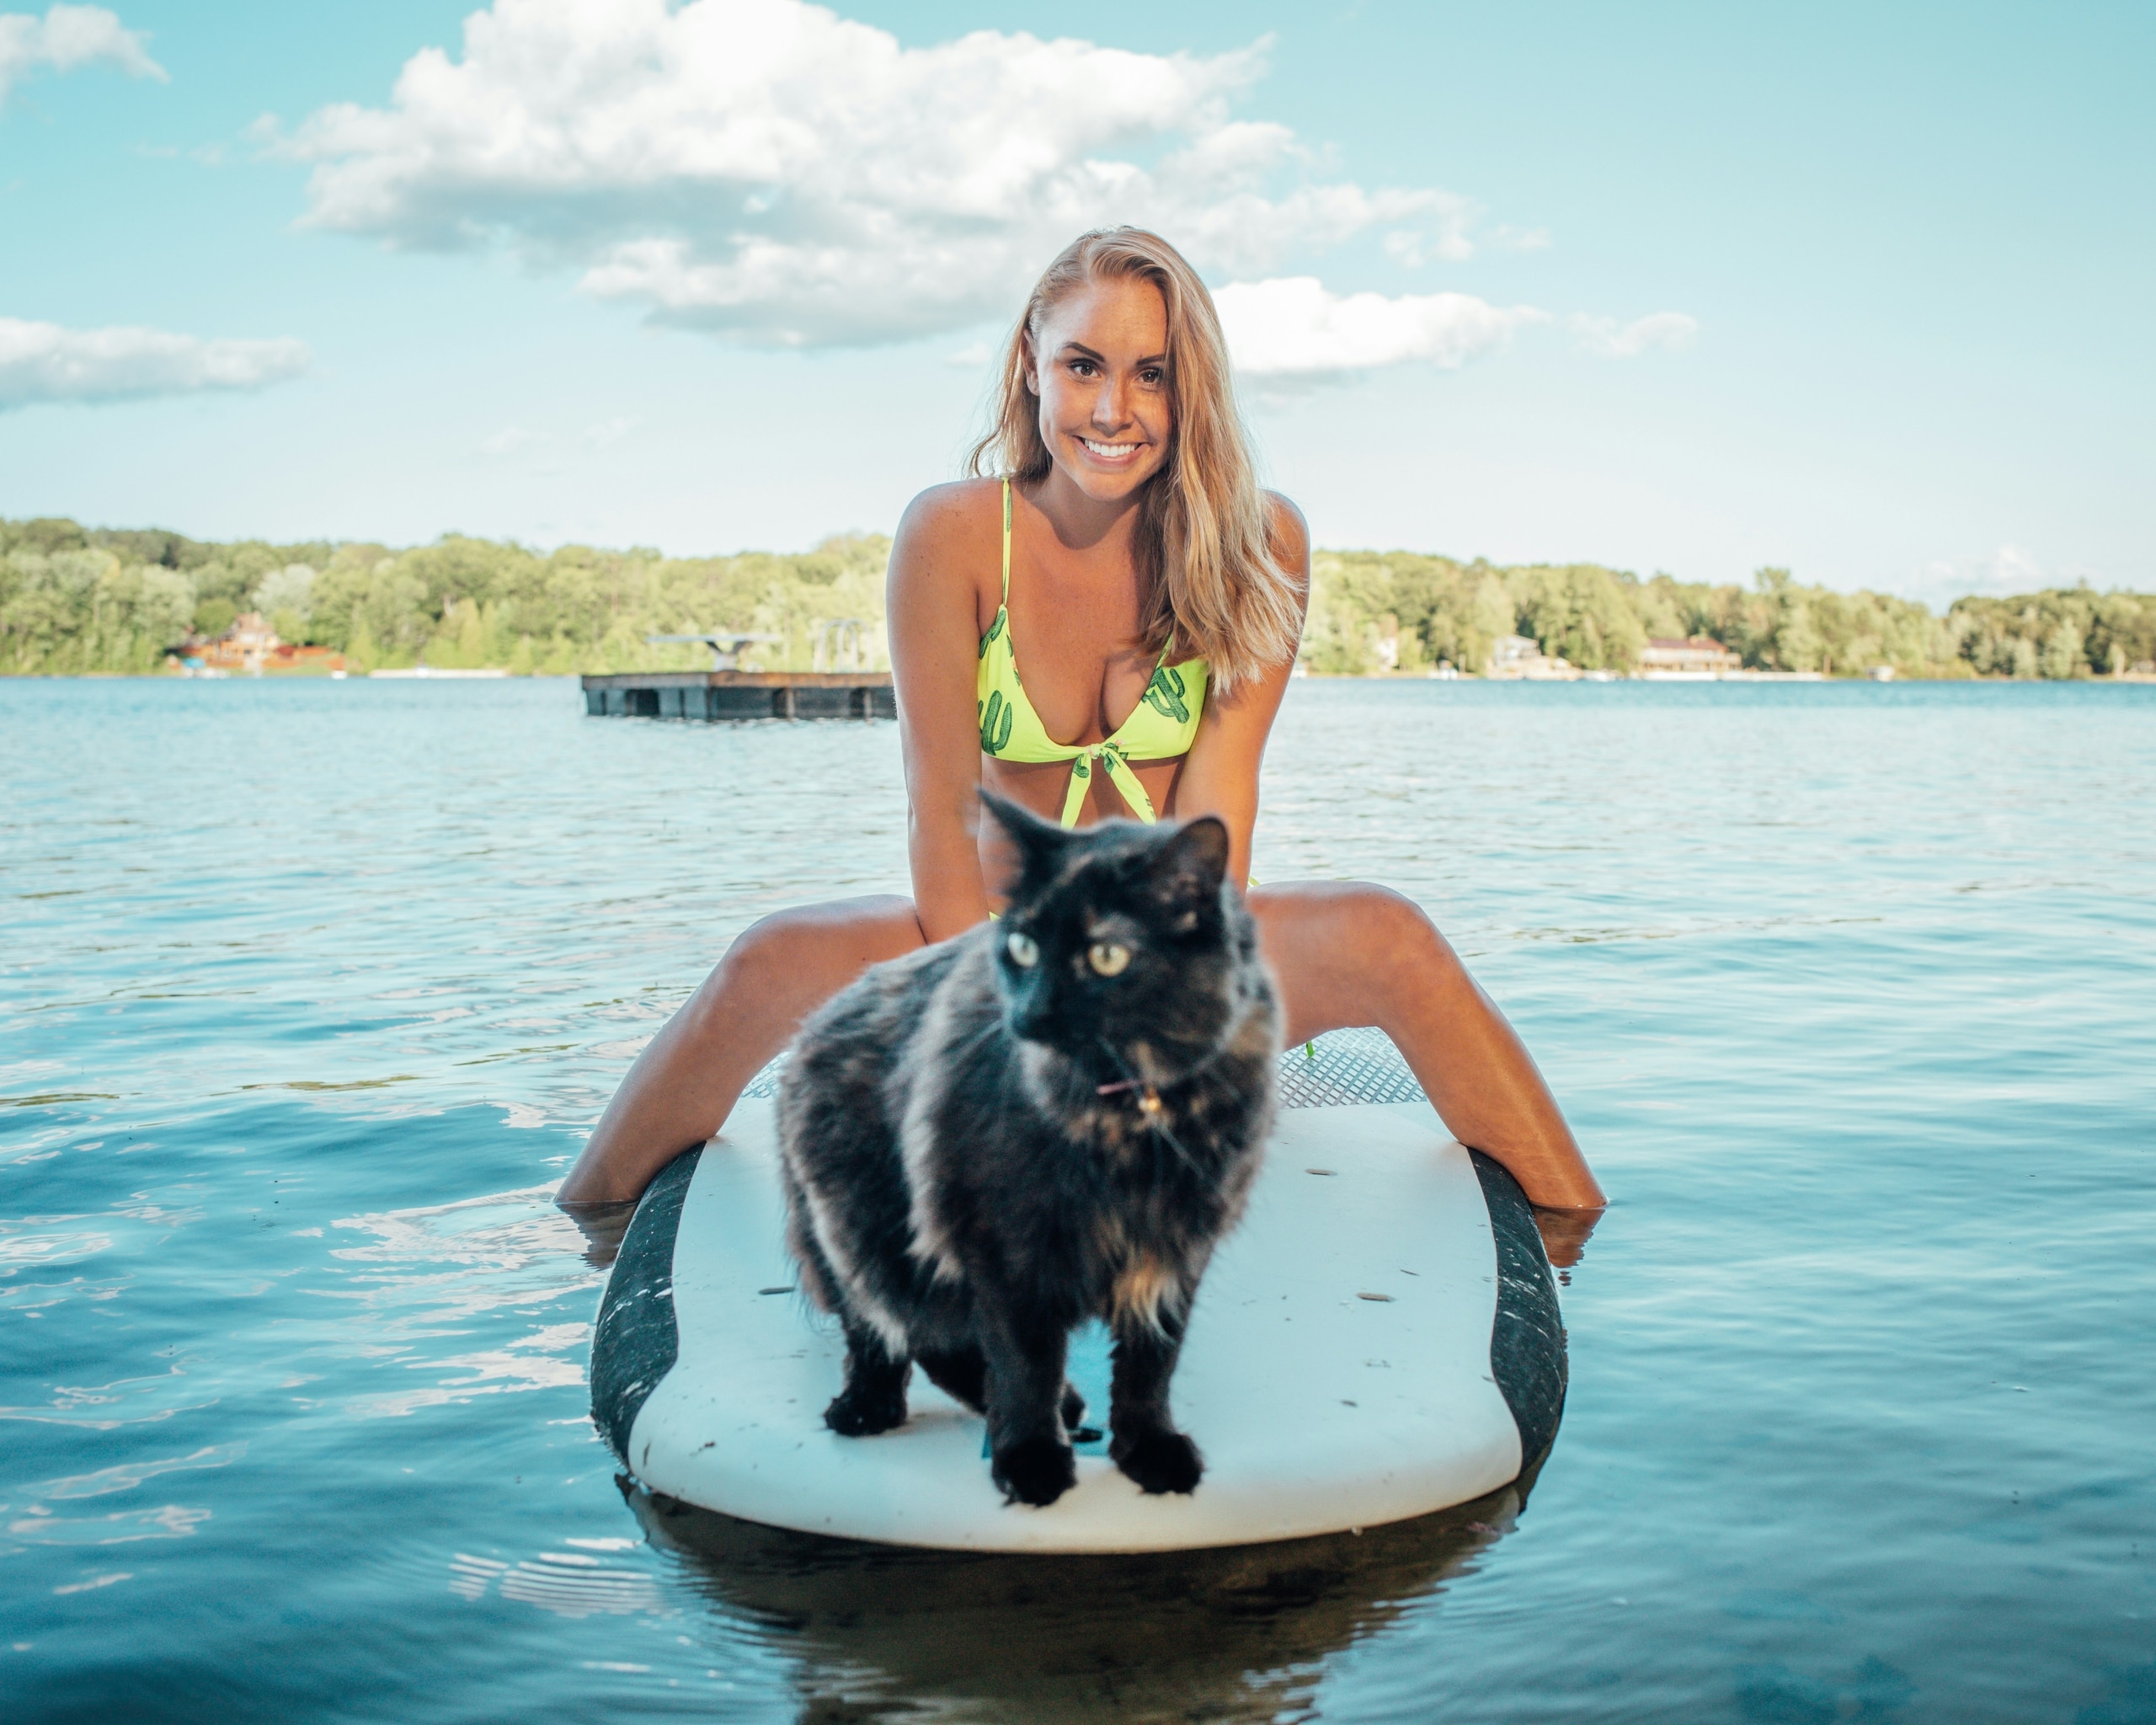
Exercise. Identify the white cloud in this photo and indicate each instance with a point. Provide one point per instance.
(2009, 569)
(1295, 327)
(510, 440)
(768, 170)
(67, 37)
(46, 362)
(518, 440)
(1609, 338)
(1518, 239)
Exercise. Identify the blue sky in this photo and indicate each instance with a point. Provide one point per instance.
(1859, 290)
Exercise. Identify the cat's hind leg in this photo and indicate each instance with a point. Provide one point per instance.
(963, 1376)
(874, 1399)
(1145, 1444)
(1029, 1449)
(960, 1373)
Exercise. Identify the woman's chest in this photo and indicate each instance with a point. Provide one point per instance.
(1075, 642)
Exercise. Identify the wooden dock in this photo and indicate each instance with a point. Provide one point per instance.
(741, 694)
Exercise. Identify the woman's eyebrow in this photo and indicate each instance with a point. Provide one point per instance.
(1079, 349)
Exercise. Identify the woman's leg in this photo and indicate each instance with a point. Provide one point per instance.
(1348, 954)
(684, 1084)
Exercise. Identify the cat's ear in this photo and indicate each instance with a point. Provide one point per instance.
(1038, 841)
(1194, 861)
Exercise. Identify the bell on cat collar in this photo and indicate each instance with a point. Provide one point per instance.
(1149, 1097)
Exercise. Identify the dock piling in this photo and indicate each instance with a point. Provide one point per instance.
(740, 695)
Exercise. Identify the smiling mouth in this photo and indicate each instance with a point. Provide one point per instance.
(1111, 451)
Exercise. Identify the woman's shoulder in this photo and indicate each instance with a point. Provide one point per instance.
(961, 507)
(1290, 537)
(950, 537)
(1291, 533)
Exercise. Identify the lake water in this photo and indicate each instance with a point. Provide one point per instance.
(309, 991)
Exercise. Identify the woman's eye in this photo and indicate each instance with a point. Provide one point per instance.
(1107, 958)
(1023, 953)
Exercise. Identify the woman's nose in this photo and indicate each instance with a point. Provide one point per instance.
(1108, 414)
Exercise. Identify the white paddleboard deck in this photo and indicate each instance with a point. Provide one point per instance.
(1378, 1339)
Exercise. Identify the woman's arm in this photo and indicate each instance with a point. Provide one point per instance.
(1220, 774)
(931, 605)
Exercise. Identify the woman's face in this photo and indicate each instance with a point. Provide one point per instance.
(1100, 368)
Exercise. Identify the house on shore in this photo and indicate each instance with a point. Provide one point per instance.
(1517, 659)
(1697, 656)
(249, 645)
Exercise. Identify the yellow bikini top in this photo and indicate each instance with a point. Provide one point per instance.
(1160, 726)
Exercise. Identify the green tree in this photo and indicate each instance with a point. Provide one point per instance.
(75, 599)
(358, 644)
(1581, 612)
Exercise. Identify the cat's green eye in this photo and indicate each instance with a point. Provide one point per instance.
(1108, 958)
(1023, 951)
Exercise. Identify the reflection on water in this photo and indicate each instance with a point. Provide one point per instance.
(1845, 991)
(430, 1272)
(881, 1632)
(603, 1226)
(569, 1583)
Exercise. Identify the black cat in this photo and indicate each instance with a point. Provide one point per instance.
(1050, 1118)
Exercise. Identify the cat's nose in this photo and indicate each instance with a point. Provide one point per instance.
(1034, 1019)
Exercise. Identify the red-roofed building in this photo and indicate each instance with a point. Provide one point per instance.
(250, 644)
(1699, 656)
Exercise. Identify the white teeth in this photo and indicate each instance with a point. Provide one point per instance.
(1111, 451)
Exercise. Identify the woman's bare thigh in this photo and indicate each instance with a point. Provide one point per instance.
(1346, 953)
(685, 1082)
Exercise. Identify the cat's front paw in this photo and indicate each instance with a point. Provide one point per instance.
(1160, 1460)
(1036, 1471)
(857, 1412)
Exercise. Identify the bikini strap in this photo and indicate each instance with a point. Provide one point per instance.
(1006, 539)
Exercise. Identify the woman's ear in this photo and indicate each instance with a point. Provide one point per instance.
(1032, 379)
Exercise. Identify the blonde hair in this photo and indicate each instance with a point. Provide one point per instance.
(1208, 577)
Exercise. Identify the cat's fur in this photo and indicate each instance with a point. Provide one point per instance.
(979, 1155)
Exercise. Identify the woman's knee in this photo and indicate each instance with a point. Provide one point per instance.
(1359, 912)
(808, 945)
(1361, 928)
(1392, 932)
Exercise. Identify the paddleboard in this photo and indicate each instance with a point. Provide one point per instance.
(1378, 1339)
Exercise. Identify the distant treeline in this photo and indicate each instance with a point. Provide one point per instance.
(1372, 611)
(75, 599)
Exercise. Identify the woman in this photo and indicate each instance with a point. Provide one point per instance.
(1154, 595)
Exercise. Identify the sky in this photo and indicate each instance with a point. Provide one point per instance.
(1861, 292)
